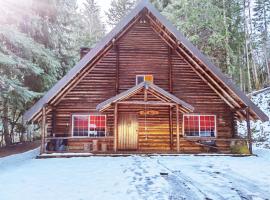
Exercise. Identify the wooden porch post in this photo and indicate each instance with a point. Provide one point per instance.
(171, 126)
(53, 121)
(43, 129)
(171, 91)
(115, 127)
(248, 131)
(177, 128)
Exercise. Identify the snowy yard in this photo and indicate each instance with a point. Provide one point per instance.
(135, 177)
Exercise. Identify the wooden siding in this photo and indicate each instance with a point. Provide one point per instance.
(142, 51)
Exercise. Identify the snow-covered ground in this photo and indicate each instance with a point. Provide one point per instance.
(135, 177)
(260, 130)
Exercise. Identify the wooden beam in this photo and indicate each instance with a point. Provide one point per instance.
(212, 138)
(234, 125)
(122, 98)
(145, 95)
(177, 129)
(171, 127)
(42, 128)
(249, 131)
(53, 120)
(170, 69)
(117, 69)
(115, 127)
(157, 96)
(159, 103)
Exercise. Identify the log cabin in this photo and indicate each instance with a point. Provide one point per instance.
(143, 88)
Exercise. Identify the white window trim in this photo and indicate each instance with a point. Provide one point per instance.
(183, 130)
(143, 77)
(72, 127)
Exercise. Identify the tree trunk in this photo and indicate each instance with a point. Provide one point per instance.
(265, 41)
(250, 42)
(246, 48)
(227, 47)
(6, 133)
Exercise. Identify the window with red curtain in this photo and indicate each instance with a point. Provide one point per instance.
(97, 125)
(80, 125)
(200, 125)
(89, 125)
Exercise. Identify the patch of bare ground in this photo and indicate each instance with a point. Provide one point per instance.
(18, 148)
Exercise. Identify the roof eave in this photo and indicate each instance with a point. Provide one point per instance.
(107, 103)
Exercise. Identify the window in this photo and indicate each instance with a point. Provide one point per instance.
(89, 125)
(200, 125)
(142, 78)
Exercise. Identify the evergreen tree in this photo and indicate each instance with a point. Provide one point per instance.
(25, 67)
(39, 43)
(119, 9)
(200, 21)
(261, 22)
(93, 27)
(66, 31)
(161, 4)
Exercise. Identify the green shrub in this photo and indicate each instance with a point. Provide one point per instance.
(240, 149)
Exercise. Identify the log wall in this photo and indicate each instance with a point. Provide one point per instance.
(142, 51)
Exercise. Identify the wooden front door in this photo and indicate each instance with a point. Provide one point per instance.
(127, 132)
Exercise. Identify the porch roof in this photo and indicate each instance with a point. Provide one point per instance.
(144, 85)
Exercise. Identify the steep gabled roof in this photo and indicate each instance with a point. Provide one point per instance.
(233, 96)
(144, 85)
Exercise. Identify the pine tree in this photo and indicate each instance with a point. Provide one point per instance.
(22, 63)
(27, 67)
(39, 43)
(66, 31)
(261, 22)
(161, 4)
(93, 27)
(199, 21)
(119, 9)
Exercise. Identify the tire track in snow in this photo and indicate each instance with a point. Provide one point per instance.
(233, 186)
(245, 188)
(181, 186)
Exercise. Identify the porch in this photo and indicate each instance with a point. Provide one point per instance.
(69, 146)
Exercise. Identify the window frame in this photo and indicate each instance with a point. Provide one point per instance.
(144, 75)
(88, 114)
(215, 120)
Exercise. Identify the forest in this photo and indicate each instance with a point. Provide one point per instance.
(41, 40)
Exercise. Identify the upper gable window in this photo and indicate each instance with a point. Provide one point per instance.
(142, 78)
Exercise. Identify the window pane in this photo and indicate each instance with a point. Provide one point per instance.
(80, 125)
(203, 125)
(97, 125)
(148, 78)
(191, 125)
(207, 128)
(140, 79)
